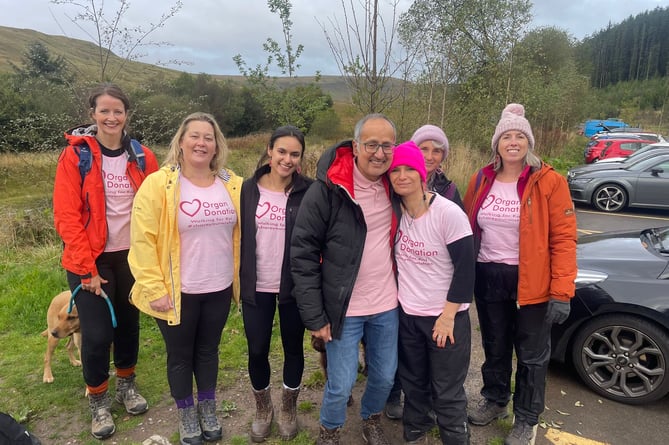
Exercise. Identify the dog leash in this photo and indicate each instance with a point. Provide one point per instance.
(104, 295)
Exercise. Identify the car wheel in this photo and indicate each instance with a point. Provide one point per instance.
(623, 358)
(610, 198)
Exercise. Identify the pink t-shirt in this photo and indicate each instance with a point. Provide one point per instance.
(206, 220)
(118, 200)
(270, 239)
(499, 220)
(375, 290)
(425, 268)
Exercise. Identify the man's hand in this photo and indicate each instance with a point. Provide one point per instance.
(323, 333)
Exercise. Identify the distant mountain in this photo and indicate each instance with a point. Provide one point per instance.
(81, 57)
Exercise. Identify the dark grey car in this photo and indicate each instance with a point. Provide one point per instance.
(641, 184)
(617, 334)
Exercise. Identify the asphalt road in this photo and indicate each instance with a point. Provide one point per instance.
(580, 413)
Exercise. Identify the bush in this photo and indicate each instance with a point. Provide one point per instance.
(35, 132)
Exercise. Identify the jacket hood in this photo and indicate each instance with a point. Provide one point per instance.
(81, 133)
(335, 166)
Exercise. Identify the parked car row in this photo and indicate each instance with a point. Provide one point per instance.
(618, 142)
(617, 333)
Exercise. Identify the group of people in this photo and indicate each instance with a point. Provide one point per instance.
(379, 248)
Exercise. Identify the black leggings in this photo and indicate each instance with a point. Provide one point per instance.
(258, 321)
(192, 345)
(97, 332)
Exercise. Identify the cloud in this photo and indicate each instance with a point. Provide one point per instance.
(207, 34)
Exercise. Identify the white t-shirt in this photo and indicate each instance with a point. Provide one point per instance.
(270, 239)
(118, 201)
(425, 268)
(207, 218)
(499, 220)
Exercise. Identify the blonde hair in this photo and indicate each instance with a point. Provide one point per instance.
(175, 154)
(530, 159)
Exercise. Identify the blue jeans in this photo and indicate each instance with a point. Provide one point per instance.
(380, 332)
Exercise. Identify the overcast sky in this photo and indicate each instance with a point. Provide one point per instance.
(208, 33)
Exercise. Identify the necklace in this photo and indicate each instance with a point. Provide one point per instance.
(422, 208)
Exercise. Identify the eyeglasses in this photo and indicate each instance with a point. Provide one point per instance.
(373, 147)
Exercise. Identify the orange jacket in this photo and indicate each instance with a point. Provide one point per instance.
(79, 210)
(547, 247)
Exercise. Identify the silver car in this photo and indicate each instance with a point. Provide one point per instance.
(641, 184)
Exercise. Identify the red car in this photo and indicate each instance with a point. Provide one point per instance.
(611, 148)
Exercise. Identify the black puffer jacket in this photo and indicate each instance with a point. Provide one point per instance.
(328, 240)
(250, 195)
(440, 184)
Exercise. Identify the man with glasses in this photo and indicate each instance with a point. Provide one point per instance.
(343, 273)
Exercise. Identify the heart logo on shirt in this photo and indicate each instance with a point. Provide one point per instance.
(262, 209)
(487, 201)
(190, 208)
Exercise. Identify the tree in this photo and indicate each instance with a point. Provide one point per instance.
(365, 52)
(297, 105)
(287, 62)
(464, 58)
(38, 63)
(111, 36)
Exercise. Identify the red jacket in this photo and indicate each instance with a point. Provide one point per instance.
(547, 246)
(79, 210)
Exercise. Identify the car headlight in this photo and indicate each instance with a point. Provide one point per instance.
(587, 277)
(574, 180)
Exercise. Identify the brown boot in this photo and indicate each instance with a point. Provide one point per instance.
(288, 415)
(328, 437)
(372, 433)
(102, 422)
(260, 427)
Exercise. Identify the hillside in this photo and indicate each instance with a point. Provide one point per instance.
(81, 56)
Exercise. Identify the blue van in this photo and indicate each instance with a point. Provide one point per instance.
(594, 126)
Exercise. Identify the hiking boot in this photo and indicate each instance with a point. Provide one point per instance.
(422, 440)
(211, 429)
(102, 422)
(372, 433)
(288, 415)
(189, 427)
(126, 394)
(521, 434)
(394, 410)
(328, 437)
(486, 412)
(260, 428)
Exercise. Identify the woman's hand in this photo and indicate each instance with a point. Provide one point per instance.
(162, 304)
(443, 330)
(94, 286)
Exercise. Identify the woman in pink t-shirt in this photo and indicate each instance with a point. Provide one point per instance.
(269, 202)
(184, 255)
(434, 252)
(91, 212)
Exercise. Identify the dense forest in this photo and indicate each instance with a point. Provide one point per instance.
(636, 49)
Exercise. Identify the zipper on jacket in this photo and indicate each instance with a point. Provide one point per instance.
(175, 187)
(529, 207)
(87, 207)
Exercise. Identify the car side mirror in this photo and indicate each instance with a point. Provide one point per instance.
(656, 171)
